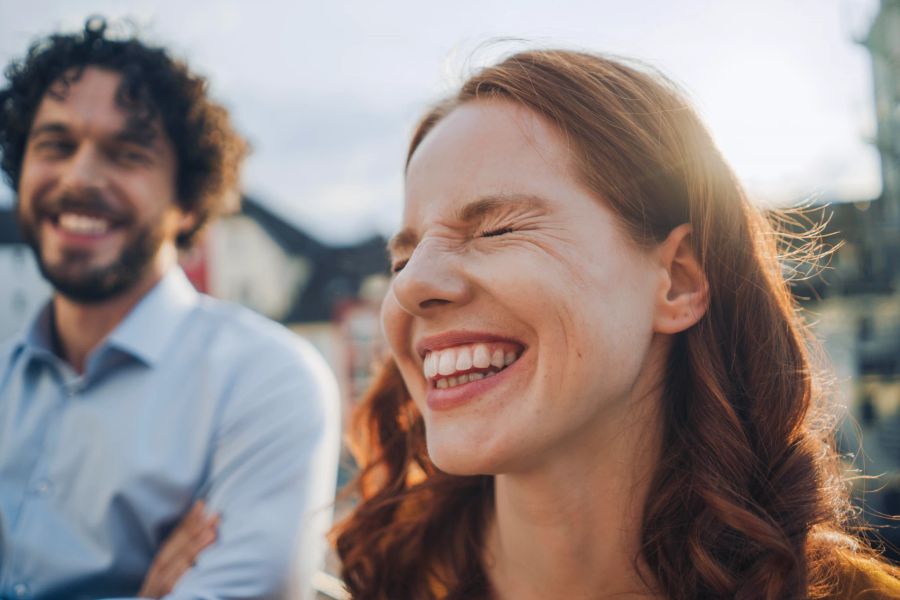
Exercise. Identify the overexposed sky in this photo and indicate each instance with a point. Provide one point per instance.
(328, 91)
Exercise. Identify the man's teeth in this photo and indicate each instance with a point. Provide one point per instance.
(450, 367)
(83, 224)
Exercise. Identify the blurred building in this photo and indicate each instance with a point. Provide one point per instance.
(855, 302)
(329, 294)
(854, 305)
(883, 42)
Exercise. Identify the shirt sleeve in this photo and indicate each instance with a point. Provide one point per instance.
(272, 480)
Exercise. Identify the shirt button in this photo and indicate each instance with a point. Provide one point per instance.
(41, 487)
(20, 590)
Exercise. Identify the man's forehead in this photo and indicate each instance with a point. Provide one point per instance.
(86, 84)
(90, 98)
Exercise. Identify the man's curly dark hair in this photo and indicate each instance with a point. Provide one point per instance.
(208, 150)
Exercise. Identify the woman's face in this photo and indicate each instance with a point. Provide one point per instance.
(520, 314)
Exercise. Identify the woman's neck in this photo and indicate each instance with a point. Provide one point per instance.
(570, 527)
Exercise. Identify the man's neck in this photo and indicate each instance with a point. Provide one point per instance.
(79, 328)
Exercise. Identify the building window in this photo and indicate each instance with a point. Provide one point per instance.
(867, 413)
(864, 329)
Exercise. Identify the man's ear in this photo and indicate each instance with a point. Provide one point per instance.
(186, 221)
(683, 294)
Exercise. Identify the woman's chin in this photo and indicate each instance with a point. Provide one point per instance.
(455, 459)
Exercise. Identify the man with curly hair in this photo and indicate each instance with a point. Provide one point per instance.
(153, 441)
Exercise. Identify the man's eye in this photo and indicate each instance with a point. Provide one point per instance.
(496, 232)
(130, 157)
(398, 265)
(54, 147)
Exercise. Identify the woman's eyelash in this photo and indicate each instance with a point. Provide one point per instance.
(496, 232)
(397, 266)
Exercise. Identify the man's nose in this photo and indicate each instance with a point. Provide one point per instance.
(84, 170)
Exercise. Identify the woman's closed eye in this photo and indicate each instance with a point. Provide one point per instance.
(397, 265)
(496, 232)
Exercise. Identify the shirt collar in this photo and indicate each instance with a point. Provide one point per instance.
(38, 336)
(147, 330)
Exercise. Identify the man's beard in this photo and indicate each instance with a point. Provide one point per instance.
(90, 286)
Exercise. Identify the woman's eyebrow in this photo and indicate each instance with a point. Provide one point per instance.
(487, 205)
(473, 212)
(406, 239)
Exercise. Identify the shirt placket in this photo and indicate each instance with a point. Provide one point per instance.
(39, 489)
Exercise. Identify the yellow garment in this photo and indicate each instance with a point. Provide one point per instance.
(867, 579)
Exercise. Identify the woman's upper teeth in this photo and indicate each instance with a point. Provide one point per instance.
(463, 358)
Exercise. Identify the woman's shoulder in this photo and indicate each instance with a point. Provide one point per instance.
(861, 577)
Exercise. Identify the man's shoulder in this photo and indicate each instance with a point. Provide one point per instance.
(257, 344)
(228, 319)
(270, 369)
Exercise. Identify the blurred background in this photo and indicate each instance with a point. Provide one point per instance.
(802, 96)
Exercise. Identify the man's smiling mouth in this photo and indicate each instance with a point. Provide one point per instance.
(81, 224)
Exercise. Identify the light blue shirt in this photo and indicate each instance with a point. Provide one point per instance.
(188, 398)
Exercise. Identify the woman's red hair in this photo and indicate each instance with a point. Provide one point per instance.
(747, 500)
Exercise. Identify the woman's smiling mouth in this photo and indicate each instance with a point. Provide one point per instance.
(458, 365)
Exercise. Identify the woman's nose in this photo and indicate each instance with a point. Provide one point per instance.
(432, 277)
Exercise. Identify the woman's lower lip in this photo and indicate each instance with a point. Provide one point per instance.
(454, 397)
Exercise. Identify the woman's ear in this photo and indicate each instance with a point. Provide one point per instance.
(683, 294)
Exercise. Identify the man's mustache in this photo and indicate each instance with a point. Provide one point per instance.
(91, 204)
